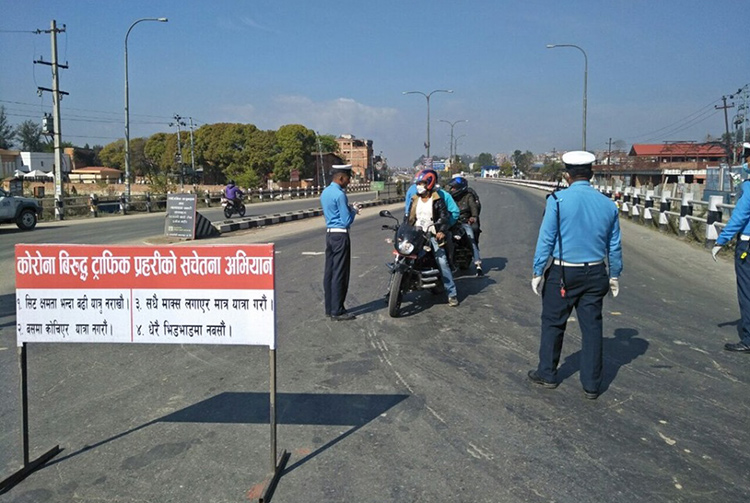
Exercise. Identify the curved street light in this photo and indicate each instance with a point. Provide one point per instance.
(427, 143)
(127, 104)
(455, 143)
(585, 82)
(450, 159)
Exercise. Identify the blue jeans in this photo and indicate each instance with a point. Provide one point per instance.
(445, 268)
(475, 249)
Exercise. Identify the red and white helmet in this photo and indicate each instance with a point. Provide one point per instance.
(429, 177)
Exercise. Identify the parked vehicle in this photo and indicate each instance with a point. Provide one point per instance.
(23, 211)
(413, 267)
(233, 206)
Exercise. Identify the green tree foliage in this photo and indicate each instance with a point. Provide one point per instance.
(328, 143)
(6, 130)
(485, 159)
(523, 160)
(506, 168)
(295, 146)
(239, 151)
(159, 157)
(28, 135)
(113, 155)
(552, 170)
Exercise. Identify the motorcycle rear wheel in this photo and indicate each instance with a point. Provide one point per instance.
(228, 212)
(396, 294)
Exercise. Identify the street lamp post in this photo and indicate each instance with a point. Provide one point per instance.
(127, 104)
(585, 82)
(427, 143)
(450, 159)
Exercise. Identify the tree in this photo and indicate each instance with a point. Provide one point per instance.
(552, 170)
(296, 144)
(6, 130)
(29, 136)
(485, 159)
(112, 155)
(506, 168)
(328, 143)
(523, 161)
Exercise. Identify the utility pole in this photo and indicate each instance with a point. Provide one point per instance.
(56, 134)
(178, 122)
(192, 147)
(726, 124)
(609, 158)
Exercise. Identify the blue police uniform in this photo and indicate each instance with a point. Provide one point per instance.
(339, 217)
(589, 229)
(739, 222)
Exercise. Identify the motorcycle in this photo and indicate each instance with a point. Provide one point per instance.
(413, 267)
(463, 251)
(231, 207)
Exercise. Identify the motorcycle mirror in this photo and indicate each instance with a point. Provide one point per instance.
(385, 213)
(384, 227)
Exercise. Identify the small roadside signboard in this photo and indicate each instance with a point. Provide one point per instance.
(180, 221)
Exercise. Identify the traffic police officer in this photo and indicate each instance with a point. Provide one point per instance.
(580, 229)
(740, 222)
(339, 215)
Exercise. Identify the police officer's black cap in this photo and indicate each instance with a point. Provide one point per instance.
(745, 150)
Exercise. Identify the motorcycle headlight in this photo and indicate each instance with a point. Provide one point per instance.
(406, 247)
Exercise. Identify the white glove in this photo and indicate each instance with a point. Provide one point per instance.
(536, 284)
(714, 251)
(614, 286)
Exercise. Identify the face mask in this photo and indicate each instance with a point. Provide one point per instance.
(421, 189)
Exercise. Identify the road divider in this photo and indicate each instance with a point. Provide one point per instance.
(237, 224)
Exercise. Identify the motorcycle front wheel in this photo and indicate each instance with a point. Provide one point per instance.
(242, 210)
(396, 294)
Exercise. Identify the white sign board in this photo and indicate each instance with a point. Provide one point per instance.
(145, 294)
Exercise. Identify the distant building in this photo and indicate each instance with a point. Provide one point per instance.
(15, 160)
(358, 153)
(94, 174)
(323, 163)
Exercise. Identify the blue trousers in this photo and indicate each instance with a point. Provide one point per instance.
(336, 275)
(445, 268)
(742, 271)
(585, 288)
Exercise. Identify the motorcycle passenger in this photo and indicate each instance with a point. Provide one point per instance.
(233, 193)
(427, 211)
(459, 189)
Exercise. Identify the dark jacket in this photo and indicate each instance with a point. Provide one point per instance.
(440, 215)
(467, 205)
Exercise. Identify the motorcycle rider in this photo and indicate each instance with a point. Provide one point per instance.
(469, 216)
(233, 193)
(428, 211)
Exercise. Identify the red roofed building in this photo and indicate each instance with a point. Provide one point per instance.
(666, 161)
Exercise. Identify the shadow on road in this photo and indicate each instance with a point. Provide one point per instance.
(619, 351)
(354, 410)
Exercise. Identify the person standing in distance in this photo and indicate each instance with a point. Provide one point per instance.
(580, 229)
(339, 215)
(740, 222)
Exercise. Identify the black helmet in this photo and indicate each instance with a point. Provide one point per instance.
(230, 182)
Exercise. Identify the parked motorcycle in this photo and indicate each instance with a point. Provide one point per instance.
(231, 207)
(413, 267)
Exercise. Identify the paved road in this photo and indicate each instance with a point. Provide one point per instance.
(432, 406)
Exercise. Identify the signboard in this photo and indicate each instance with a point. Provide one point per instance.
(438, 166)
(294, 175)
(146, 294)
(180, 221)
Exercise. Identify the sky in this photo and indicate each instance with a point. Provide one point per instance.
(656, 69)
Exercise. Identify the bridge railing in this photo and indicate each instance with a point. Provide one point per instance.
(95, 205)
(685, 216)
